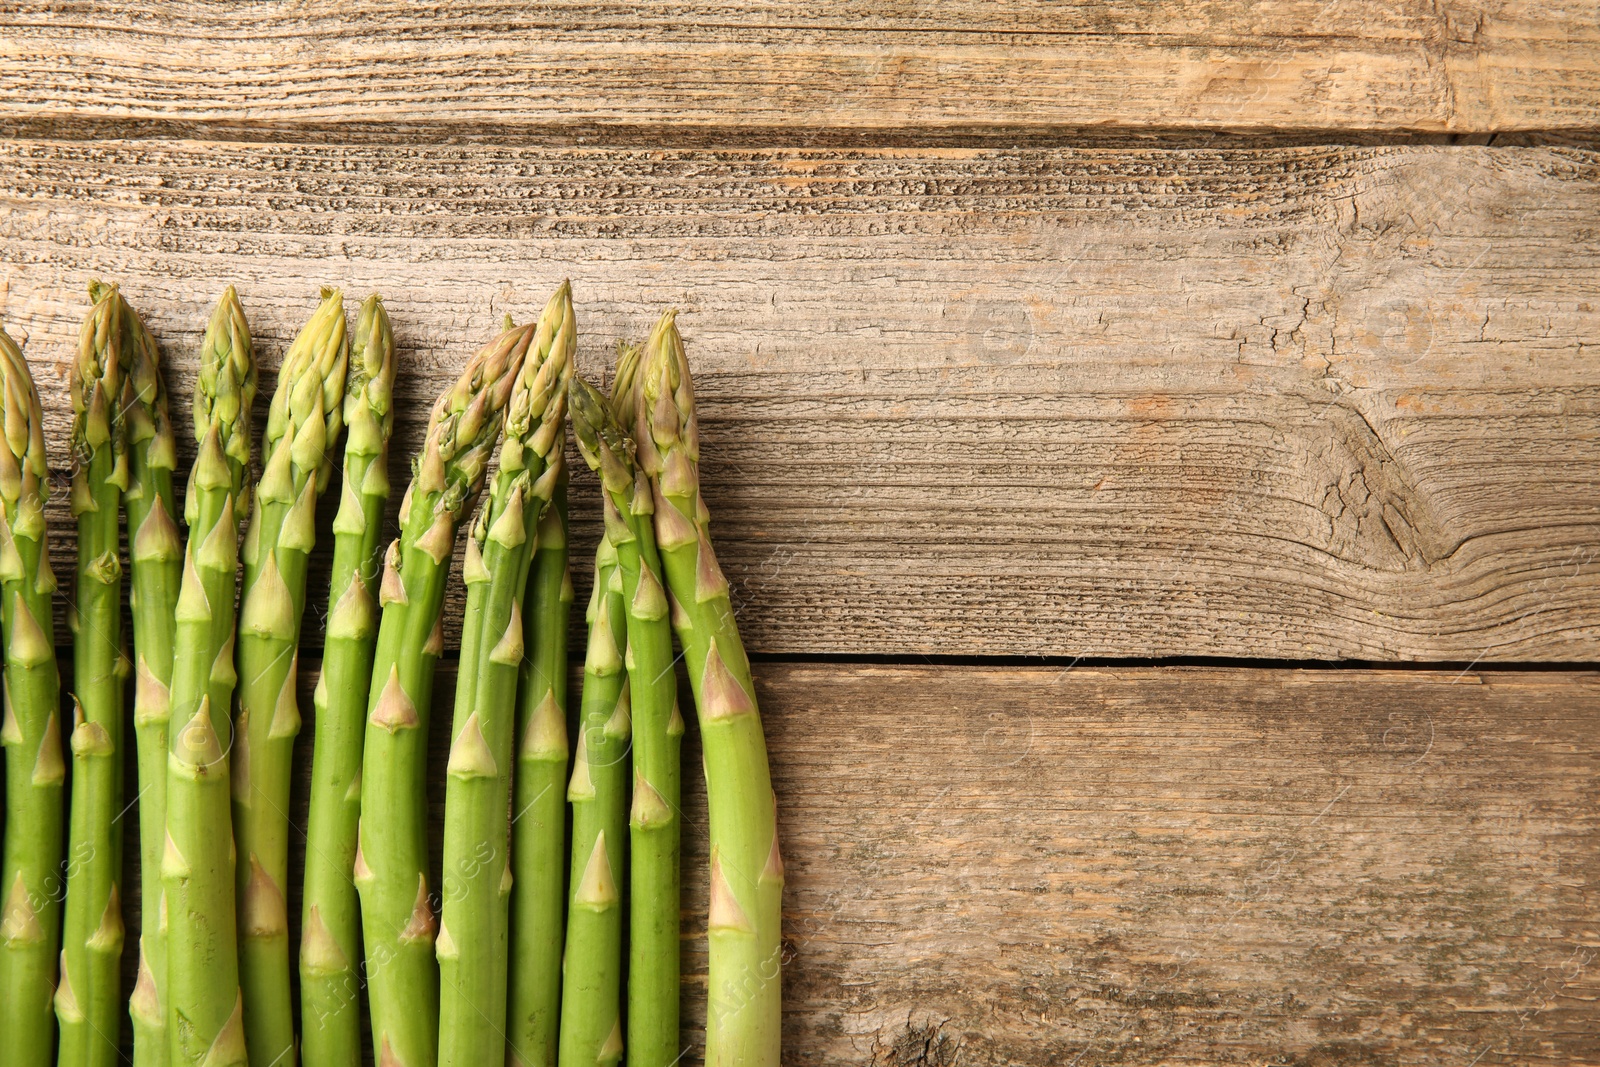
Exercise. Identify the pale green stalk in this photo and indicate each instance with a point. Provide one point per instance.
(330, 925)
(89, 999)
(653, 924)
(155, 553)
(591, 990)
(744, 925)
(302, 436)
(30, 875)
(391, 862)
(539, 809)
(204, 1006)
(472, 945)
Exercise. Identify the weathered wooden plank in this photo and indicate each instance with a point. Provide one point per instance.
(741, 65)
(1173, 866)
(1301, 402)
(1189, 866)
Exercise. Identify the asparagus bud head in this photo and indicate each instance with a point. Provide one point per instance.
(307, 409)
(537, 407)
(462, 430)
(601, 441)
(369, 386)
(665, 414)
(24, 470)
(145, 395)
(96, 390)
(226, 387)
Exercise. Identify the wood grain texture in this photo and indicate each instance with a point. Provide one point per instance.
(1197, 866)
(747, 65)
(1170, 866)
(1314, 402)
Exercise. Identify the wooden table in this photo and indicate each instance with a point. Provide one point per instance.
(1153, 445)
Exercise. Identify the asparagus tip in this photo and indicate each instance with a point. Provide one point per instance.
(24, 469)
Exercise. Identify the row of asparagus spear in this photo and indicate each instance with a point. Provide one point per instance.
(561, 838)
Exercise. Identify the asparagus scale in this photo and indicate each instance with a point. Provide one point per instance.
(30, 871)
(743, 1011)
(473, 928)
(89, 997)
(397, 920)
(330, 939)
(303, 427)
(155, 554)
(204, 1010)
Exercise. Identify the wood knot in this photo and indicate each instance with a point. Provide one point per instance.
(918, 1045)
(1377, 515)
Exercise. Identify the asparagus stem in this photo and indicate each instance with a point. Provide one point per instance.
(653, 928)
(591, 991)
(744, 925)
(538, 825)
(473, 925)
(89, 999)
(204, 1006)
(302, 436)
(155, 553)
(391, 862)
(330, 940)
(30, 876)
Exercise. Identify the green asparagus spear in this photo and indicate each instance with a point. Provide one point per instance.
(744, 925)
(155, 552)
(302, 437)
(30, 879)
(538, 825)
(657, 727)
(330, 939)
(391, 862)
(89, 998)
(472, 943)
(591, 990)
(204, 1006)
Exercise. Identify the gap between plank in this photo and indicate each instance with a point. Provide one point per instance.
(312, 654)
(622, 136)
